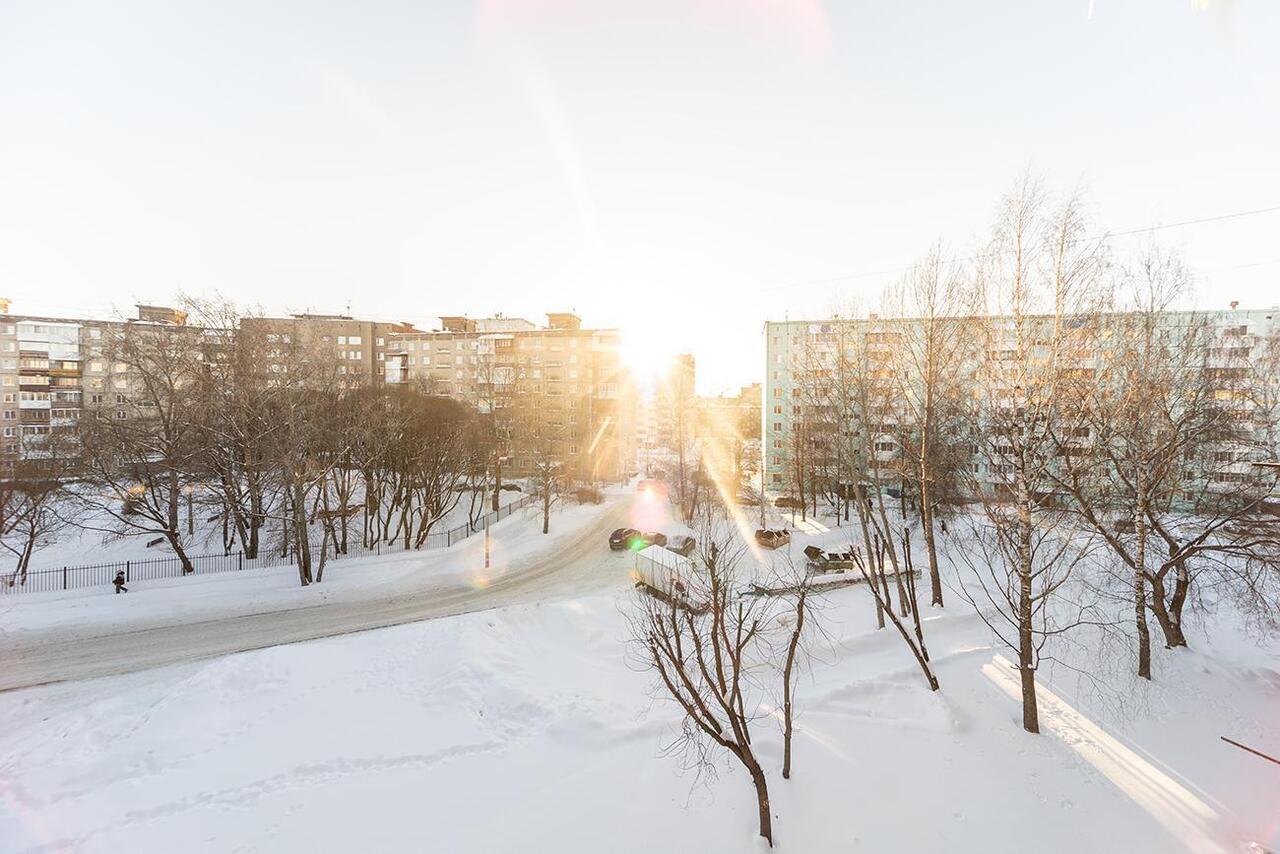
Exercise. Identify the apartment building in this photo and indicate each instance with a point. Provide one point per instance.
(798, 349)
(53, 368)
(359, 347)
(565, 380)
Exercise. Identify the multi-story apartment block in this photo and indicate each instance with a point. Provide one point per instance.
(53, 368)
(358, 346)
(1234, 341)
(561, 377)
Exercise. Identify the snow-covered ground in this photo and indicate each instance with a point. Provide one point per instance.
(514, 542)
(528, 728)
(73, 545)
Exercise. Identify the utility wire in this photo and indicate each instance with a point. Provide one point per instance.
(1127, 233)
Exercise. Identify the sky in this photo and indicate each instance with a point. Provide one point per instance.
(683, 169)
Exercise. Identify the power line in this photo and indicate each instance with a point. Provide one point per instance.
(1127, 233)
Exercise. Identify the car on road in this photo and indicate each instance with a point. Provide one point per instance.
(786, 502)
(681, 544)
(772, 539)
(652, 538)
(621, 538)
(630, 538)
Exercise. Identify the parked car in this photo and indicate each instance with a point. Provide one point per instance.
(682, 545)
(772, 539)
(786, 502)
(621, 538)
(514, 487)
(652, 538)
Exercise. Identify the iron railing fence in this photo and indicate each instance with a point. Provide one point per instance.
(149, 569)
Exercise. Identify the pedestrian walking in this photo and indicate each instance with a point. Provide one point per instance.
(118, 581)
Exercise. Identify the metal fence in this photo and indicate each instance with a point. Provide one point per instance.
(148, 569)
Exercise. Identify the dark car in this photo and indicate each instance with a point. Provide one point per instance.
(513, 487)
(772, 539)
(621, 538)
(786, 502)
(682, 545)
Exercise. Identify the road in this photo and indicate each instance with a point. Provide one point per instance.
(581, 565)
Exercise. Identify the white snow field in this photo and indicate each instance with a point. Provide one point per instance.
(525, 725)
(527, 728)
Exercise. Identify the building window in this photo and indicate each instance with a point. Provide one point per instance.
(379, 341)
(353, 340)
(777, 426)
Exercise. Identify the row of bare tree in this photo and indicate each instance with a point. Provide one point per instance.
(258, 433)
(1065, 398)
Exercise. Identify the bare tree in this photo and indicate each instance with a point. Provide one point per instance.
(1036, 294)
(141, 440)
(33, 498)
(705, 650)
(542, 441)
(1161, 472)
(930, 355)
(873, 572)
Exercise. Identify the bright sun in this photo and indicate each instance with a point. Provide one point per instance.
(645, 352)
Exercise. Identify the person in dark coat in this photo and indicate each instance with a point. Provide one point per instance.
(118, 581)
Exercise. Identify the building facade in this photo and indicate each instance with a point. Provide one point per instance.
(802, 349)
(358, 347)
(559, 390)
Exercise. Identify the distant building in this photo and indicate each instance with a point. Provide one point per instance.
(566, 379)
(359, 346)
(54, 368)
(1235, 337)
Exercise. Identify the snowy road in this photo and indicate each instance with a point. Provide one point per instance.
(579, 566)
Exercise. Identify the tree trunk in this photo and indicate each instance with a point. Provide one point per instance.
(302, 543)
(762, 797)
(175, 543)
(546, 507)
(25, 560)
(1172, 628)
(787, 670)
(926, 523)
(172, 514)
(1140, 591)
(1026, 647)
(871, 557)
